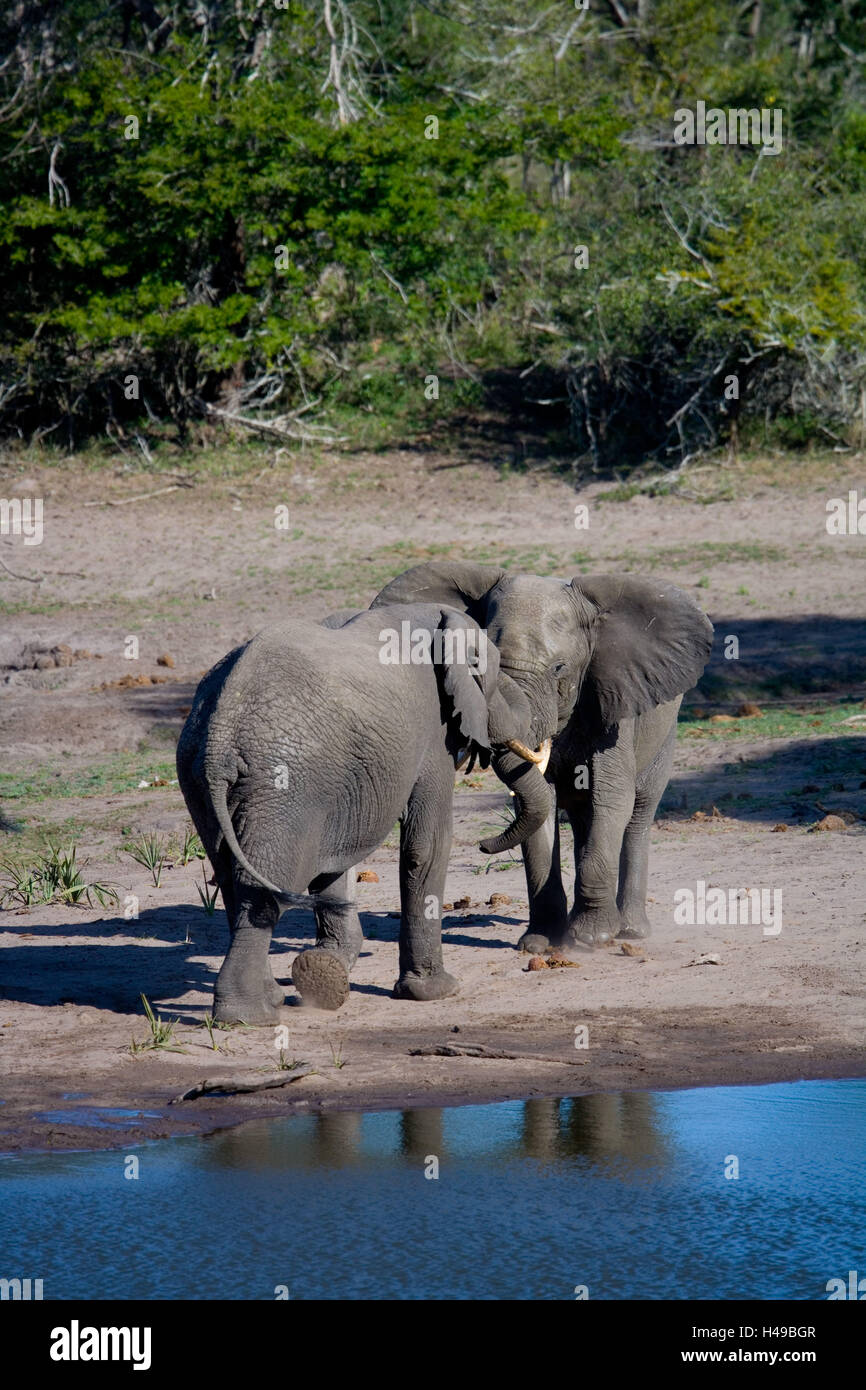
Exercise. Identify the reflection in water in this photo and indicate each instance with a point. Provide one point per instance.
(620, 1133)
(620, 1127)
(627, 1194)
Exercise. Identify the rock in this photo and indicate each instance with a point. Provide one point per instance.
(536, 963)
(367, 876)
(705, 960)
(749, 711)
(628, 949)
(498, 900)
(831, 823)
(165, 660)
(777, 828)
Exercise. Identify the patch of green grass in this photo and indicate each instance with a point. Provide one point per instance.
(816, 721)
(120, 773)
(43, 607)
(706, 553)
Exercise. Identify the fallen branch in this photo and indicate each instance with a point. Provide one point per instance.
(227, 1085)
(29, 577)
(490, 1054)
(141, 496)
(277, 431)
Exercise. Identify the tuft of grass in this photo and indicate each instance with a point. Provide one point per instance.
(288, 1063)
(151, 851)
(336, 1053)
(208, 898)
(161, 1033)
(55, 876)
(191, 848)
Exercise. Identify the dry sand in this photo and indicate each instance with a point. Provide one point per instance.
(193, 572)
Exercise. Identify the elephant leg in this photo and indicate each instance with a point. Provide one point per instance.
(425, 844)
(273, 992)
(339, 930)
(321, 976)
(244, 991)
(595, 918)
(548, 907)
(634, 860)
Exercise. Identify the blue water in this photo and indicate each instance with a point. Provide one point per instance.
(624, 1194)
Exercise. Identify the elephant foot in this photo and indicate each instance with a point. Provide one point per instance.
(255, 1011)
(534, 943)
(321, 979)
(597, 927)
(425, 987)
(274, 993)
(634, 929)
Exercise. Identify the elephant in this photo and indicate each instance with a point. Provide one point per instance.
(302, 750)
(604, 661)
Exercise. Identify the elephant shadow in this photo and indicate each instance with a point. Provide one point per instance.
(785, 783)
(113, 971)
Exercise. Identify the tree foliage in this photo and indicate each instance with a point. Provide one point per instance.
(240, 203)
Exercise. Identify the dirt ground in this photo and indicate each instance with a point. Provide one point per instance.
(193, 571)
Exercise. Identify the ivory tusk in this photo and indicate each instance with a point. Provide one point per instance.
(541, 757)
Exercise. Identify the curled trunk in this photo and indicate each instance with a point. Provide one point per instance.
(531, 793)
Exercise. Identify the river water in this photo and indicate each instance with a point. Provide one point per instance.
(726, 1192)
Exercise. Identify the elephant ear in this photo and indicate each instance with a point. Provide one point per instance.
(470, 672)
(653, 644)
(341, 617)
(457, 583)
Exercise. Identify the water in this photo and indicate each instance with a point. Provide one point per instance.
(624, 1194)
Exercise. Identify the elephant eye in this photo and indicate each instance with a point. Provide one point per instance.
(559, 668)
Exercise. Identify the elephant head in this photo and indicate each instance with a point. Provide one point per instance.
(608, 646)
(490, 714)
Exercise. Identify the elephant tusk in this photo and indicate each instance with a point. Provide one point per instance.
(544, 750)
(541, 757)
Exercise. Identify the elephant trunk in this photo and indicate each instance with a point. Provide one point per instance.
(531, 793)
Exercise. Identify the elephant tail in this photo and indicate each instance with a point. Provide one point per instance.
(219, 800)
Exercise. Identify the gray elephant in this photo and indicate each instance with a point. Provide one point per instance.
(301, 751)
(604, 662)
